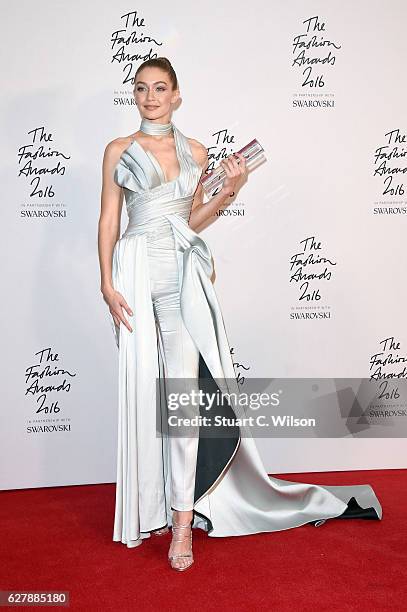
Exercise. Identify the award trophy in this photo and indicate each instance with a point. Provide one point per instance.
(253, 154)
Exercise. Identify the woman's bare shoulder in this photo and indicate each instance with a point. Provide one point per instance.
(115, 147)
(199, 151)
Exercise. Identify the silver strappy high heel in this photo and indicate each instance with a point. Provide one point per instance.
(176, 530)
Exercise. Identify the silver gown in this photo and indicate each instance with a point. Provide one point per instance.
(234, 495)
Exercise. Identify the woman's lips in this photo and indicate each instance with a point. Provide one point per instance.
(151, 107)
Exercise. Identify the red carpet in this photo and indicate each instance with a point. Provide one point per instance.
(60, 539)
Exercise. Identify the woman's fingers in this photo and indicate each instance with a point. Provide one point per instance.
(242, 164)
(124, 320)
(232, 166)
(125, 305)
(117, 311)
(225, 166)
(129, 311)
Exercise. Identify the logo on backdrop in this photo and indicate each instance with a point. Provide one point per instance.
(313, 59)
(131, 44)
(388, 366)
(224, 144)
(41, 165)
(47, 385)
(389, 362)
(310, 271)
(389, 170)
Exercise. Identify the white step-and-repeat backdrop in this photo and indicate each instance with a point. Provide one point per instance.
(310, 257)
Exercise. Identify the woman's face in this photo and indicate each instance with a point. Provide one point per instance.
(153, 93)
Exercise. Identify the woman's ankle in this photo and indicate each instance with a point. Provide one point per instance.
(182, 516)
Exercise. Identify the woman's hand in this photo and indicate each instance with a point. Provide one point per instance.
(116, 303)
(234, 171)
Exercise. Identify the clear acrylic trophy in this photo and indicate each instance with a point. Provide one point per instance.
(253, 153)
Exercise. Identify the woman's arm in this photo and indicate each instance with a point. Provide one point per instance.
(109, 231)
(200, 212)
(110, 214)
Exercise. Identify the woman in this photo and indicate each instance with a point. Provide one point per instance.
(158, 273)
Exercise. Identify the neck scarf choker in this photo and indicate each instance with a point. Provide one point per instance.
(154, 128)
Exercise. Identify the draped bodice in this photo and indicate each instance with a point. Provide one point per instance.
(148, 196)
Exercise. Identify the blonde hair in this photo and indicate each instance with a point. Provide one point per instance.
(159, 62)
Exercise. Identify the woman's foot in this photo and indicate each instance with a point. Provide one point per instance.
(180, 553)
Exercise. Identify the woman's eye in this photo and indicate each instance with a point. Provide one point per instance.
(141, 88)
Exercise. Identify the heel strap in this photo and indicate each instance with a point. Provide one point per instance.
(175, 532)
